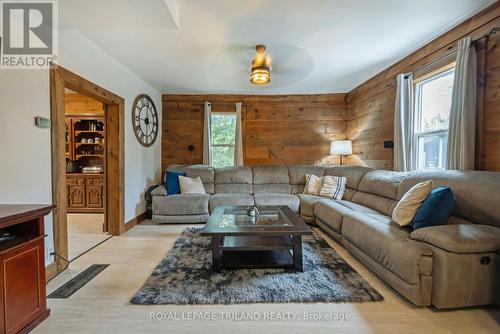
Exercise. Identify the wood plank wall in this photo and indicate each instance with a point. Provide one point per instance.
(77, 104)
(277, 129)
(370, 112)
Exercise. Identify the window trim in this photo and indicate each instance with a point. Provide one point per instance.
(417, 132)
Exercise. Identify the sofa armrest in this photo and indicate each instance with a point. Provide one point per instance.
(461, 238)
(159, 191)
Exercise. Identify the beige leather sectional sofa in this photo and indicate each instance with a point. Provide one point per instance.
(454, 265)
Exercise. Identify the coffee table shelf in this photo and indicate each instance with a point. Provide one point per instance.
(256, 243)
(262, 259)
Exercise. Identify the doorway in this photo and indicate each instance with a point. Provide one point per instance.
(85, 139)
(63, 81)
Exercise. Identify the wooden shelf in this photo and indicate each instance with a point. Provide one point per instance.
(18, 241)
(80, 144)
(78, 156)
(77, 132)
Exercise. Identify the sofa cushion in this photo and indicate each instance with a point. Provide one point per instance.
(230, 199)
(388, 244)
(354, 174)
(364, 209)
(191, 185)
(348, 194)
(381, 182)
(461, 238)
(298, 173)
(380, 203)
(270, 174)
(234, 188)
(271, 179)
(206, 173)
(331, 212)
(236, 179)
(313, 184)
(333, 187)
(183, 204)
(233, 174)
(182, 219)
(436, 209)
(172, 182)
(292, 201)
(307, 203)
(272, 188)
(405, 210)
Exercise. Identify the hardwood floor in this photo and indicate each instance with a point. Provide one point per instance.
(102, 306)
(84, 232)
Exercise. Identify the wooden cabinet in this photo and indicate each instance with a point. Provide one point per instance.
(94, 189)
(85, 192)
(22, 268)
(76, 192)
(85, 138)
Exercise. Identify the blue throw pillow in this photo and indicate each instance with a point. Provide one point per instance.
(172, 183)
(436, 209)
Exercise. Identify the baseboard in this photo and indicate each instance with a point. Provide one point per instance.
(50, 271)
(135, 221)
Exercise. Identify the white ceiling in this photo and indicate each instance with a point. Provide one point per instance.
(316, 46)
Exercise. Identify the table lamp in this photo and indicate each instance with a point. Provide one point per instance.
(341, 148)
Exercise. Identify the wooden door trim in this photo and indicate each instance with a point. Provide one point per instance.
(61, 78)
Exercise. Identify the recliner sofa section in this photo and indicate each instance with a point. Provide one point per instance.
(453, 265)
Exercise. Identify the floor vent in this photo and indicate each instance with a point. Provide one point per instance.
(78, 281)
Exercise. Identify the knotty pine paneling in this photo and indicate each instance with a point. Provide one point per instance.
(77, 104)
(370, 114)
(277, 129)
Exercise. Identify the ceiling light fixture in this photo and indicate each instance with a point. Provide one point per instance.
(261, 68)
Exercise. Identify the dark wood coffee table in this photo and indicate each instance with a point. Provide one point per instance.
(273, 240)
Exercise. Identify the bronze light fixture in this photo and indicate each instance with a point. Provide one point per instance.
(261, 68)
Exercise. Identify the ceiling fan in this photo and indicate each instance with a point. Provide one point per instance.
(261, 67)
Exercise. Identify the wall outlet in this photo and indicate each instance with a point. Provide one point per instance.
(49, 254)
(388, 144)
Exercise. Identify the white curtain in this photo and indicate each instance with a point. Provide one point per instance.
(238, 142)
(462, 130)
(403, 124)
(207, 135)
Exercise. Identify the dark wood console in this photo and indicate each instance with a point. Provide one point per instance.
(22, 268)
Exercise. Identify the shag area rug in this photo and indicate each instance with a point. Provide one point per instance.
(185, 276)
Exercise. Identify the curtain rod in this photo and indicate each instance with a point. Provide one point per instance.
(491, 32)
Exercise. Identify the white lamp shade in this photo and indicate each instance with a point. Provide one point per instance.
(341, 147)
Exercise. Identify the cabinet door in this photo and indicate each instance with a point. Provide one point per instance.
(24, 292)
(94, 192)
(76, 193)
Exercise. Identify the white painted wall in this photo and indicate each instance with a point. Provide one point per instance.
(25, 175)
(25, 149)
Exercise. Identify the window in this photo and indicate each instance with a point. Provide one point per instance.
(432, 114)
(223, 137)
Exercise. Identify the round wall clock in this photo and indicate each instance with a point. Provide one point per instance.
(145, 120)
